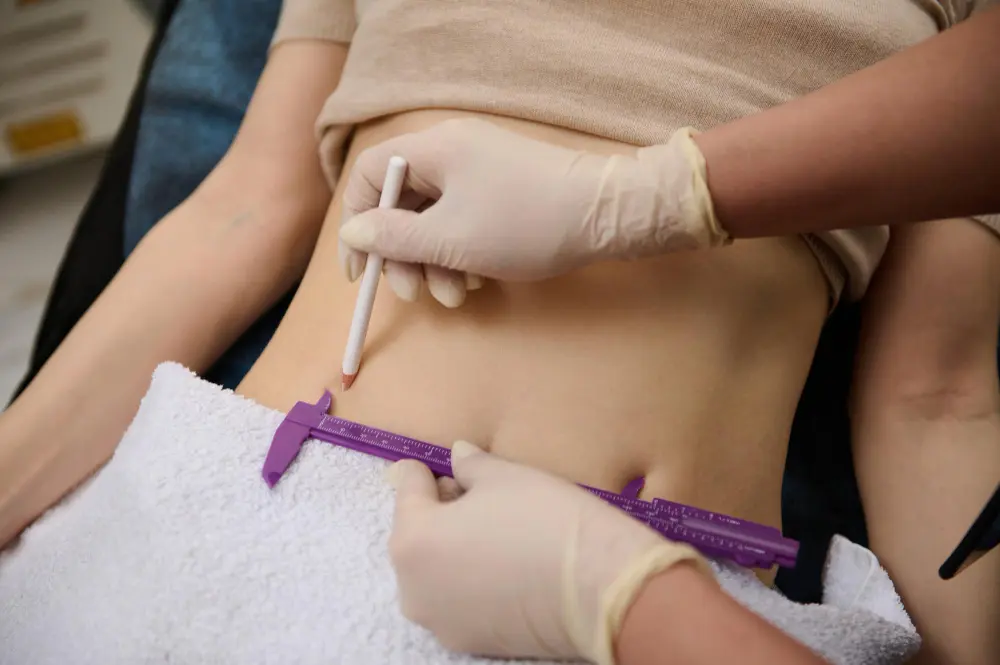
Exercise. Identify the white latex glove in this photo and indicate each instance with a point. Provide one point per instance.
(496, 204)
(522, 564)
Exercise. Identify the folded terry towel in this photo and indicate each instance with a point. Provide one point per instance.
(177, 552)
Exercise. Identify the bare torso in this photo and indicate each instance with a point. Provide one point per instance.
(685, 369)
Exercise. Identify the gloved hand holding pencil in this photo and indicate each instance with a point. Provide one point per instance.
(490, 203)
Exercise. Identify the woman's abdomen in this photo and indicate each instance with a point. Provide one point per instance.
(685, 369)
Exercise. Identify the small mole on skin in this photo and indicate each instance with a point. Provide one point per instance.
(241, 218)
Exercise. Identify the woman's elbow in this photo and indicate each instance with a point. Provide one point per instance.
(928, 345)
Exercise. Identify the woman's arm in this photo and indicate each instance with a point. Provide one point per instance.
(193, 285)
(926, 428)
(681, 617)
(912, 138)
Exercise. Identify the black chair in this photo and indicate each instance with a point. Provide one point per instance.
(820, 495)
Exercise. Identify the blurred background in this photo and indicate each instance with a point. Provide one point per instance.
(67, 69)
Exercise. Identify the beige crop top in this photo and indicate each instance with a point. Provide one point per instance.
(629, 70)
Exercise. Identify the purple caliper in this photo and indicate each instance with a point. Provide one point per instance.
(719, 536)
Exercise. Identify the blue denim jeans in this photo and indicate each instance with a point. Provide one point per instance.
(198, 91)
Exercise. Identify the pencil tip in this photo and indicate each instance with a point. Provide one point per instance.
(346, 381)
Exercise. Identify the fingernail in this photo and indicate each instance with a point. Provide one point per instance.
(392, 474)
(461, 449)
(352, 263)
(357, 234)
(407, 289)
(473, 282)
(446, 292)
(355, 266)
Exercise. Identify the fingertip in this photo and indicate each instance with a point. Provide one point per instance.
(359, 232)
(472, 465)
(448, 488)
(364, 186)
(404, 279)
(412, 480)
(352, 262)
(412, 151)
(473, 282)
(450, 296)
(356, 266)
(463, 449)
(392, 474)
(463, 468)
(447, 286)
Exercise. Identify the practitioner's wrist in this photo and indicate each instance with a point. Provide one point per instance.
(698, 211)
(683, 616)
(657, 202)
(656, 607)
(630, 580)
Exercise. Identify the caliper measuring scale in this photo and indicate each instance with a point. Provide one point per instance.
(716, 535)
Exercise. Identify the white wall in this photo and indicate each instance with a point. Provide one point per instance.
(77, 59)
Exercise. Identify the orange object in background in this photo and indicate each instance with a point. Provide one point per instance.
(55, 130)
(67, 72)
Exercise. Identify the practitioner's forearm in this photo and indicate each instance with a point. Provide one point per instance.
(683, 618)
(912, 138)
(193, 285)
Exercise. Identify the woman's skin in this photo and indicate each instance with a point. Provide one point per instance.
(124, 336)
(926, 428)
(926, 415)
(194, 284)
(62, 428)
(685, 369)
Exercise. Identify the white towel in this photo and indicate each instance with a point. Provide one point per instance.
(177, 552)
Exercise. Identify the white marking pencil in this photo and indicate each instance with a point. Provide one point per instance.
(391, 189)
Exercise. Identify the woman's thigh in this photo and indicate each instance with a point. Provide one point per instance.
(198, 91)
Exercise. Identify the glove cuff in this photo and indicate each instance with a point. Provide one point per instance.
(700, 211)
(623, 591)
(678, 214)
